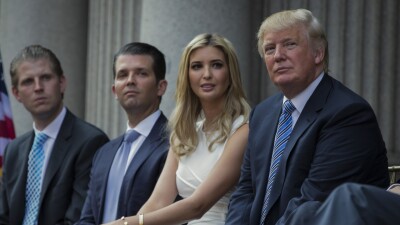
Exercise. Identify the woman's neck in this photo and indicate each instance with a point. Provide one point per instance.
(211, 115)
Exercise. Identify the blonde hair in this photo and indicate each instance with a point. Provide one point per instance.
(290, 18)
(183, 120)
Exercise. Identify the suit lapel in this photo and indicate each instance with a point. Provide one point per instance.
(267, 137)
(146, 149)
(23, 149)
(60, 149)
(310, 112)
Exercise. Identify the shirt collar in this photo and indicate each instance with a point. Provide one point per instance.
(145, 126)
(54, 127)
(301, 99)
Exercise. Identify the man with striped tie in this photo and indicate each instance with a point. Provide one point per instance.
(46, 170)
(313, 136)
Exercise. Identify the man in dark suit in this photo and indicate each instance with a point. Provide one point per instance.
(352, 204)
(139, 83)
(327, 135)
(57, 193)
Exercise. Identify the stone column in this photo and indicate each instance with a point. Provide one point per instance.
(59, 25)
(111, 25)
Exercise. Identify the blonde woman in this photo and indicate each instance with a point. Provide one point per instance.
(208, 138)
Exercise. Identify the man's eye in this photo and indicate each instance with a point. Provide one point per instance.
(269, 50)
(46, 77)
(121, 75)
(290, 44)
(26, 82)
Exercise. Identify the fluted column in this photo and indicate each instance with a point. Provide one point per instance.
(58, 25)
(111, 25)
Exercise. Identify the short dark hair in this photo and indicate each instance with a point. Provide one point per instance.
(139, 48)
(34, 52)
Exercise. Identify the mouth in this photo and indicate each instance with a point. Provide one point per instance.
(131, 92)
(207, 87)
(39, 99)
(281, 69)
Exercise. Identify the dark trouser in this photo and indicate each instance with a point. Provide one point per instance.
(350, 204)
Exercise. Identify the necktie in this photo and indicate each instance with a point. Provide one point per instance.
(281, 137)
(34, 180)
(116, 176)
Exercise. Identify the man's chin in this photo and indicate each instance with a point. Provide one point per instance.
(129, 105)
(283, 82)
(44, 111)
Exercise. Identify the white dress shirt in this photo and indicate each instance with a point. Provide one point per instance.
(301, 99)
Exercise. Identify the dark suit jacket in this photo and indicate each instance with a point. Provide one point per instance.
(350, 204)
(139, 180)
(66, 179)
(335, 140)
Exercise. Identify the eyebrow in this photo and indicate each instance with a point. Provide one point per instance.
(134, 69)
(280, 41)
(213, 60)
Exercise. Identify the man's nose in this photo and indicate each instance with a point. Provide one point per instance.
(131, 78)
(279, 53)
(37, 84)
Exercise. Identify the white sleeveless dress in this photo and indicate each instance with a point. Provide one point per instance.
(195, 167)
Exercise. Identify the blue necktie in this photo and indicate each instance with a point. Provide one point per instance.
(281, 137)
(116, 176)
(34, 180)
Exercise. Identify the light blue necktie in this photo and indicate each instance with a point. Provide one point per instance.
(34, 181)
(116, 176)
(281, 137)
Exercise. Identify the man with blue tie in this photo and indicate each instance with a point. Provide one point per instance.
(330, 137)
(126, 169)
(46, 170)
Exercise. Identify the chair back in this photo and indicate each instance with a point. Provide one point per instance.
(394, 173)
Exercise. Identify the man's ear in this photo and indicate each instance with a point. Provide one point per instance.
(63, 83)
(113, 91)
(162, 87)
(16, 93)
(319, 54)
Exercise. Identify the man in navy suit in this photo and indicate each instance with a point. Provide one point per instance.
(38, 82)
(333, 136)
(139, 83)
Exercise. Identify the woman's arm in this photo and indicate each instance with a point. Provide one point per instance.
(221, 179)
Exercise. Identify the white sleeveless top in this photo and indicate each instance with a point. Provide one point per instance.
(194, 168)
